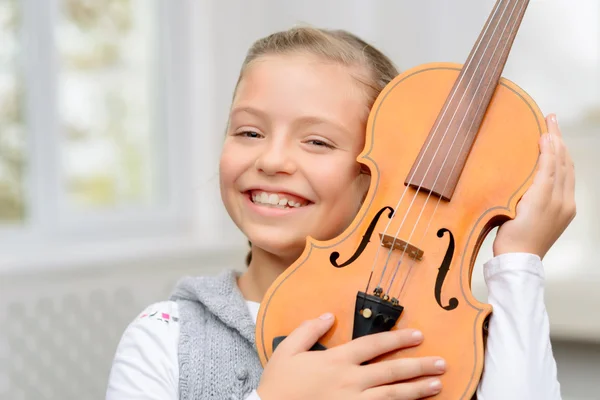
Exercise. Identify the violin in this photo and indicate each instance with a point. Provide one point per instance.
(451, 149)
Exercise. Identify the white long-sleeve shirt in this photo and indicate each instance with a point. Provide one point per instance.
(518, 364)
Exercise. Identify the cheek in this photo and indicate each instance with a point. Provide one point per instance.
(225, 170)
(231, 165)
(231, 168)
(341, 189)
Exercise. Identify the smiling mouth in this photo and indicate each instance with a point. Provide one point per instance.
(276, 200)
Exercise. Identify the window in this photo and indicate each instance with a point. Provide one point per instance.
(95, 122)
(105, 88)
(12, 128)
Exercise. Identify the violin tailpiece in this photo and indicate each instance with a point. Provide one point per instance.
(374, 314)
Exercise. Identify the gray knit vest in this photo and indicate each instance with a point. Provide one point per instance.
(217, 352)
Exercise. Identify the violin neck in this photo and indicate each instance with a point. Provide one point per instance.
(488, 57)
(442, 158)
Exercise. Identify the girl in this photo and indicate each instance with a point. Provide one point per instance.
(288, 169)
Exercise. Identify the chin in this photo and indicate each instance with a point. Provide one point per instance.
(282, 247)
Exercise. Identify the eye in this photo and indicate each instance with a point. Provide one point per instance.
(320, 143)
(249, 134)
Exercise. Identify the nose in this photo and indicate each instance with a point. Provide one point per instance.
(275, 158)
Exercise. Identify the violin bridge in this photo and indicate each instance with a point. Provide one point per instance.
(388, 241)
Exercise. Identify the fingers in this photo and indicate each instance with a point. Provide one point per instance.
(560, 156)
(569, 193)
(543, 182)
(406, 390)
(564, 182)
(368, 347)
(391, 371)
(305, 336)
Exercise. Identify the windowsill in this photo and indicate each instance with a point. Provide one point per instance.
(96, 254)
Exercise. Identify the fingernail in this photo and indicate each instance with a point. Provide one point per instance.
(417, 335)
(440, 364)
(435, 385)
(553, 118)
(326, 316)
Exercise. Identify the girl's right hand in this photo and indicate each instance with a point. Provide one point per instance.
(294, 373)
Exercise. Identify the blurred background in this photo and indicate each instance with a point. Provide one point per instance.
(112, 114)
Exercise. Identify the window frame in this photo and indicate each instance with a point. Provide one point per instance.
(188, 157)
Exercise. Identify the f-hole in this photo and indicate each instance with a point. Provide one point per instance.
(365, 240)
(443, 271)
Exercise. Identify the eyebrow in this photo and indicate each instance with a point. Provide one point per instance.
(249, 110)
(306, 120)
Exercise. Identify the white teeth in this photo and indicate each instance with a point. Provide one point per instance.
(274, 200)
(264, 198)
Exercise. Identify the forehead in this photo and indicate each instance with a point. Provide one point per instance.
(289, 85)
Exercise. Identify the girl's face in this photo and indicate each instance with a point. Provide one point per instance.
(288, 168)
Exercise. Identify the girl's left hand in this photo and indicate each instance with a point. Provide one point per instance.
(548, 206)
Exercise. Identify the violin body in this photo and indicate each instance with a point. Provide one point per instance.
(440, 236)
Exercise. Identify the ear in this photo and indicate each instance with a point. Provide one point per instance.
(364, 170)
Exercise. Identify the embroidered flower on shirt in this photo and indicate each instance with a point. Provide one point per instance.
(160, 316)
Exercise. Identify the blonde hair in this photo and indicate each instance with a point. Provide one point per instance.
(338, 46)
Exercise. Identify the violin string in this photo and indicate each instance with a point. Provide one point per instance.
(439, 171)
(456, 160)
(435, 131)
(451, 145)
